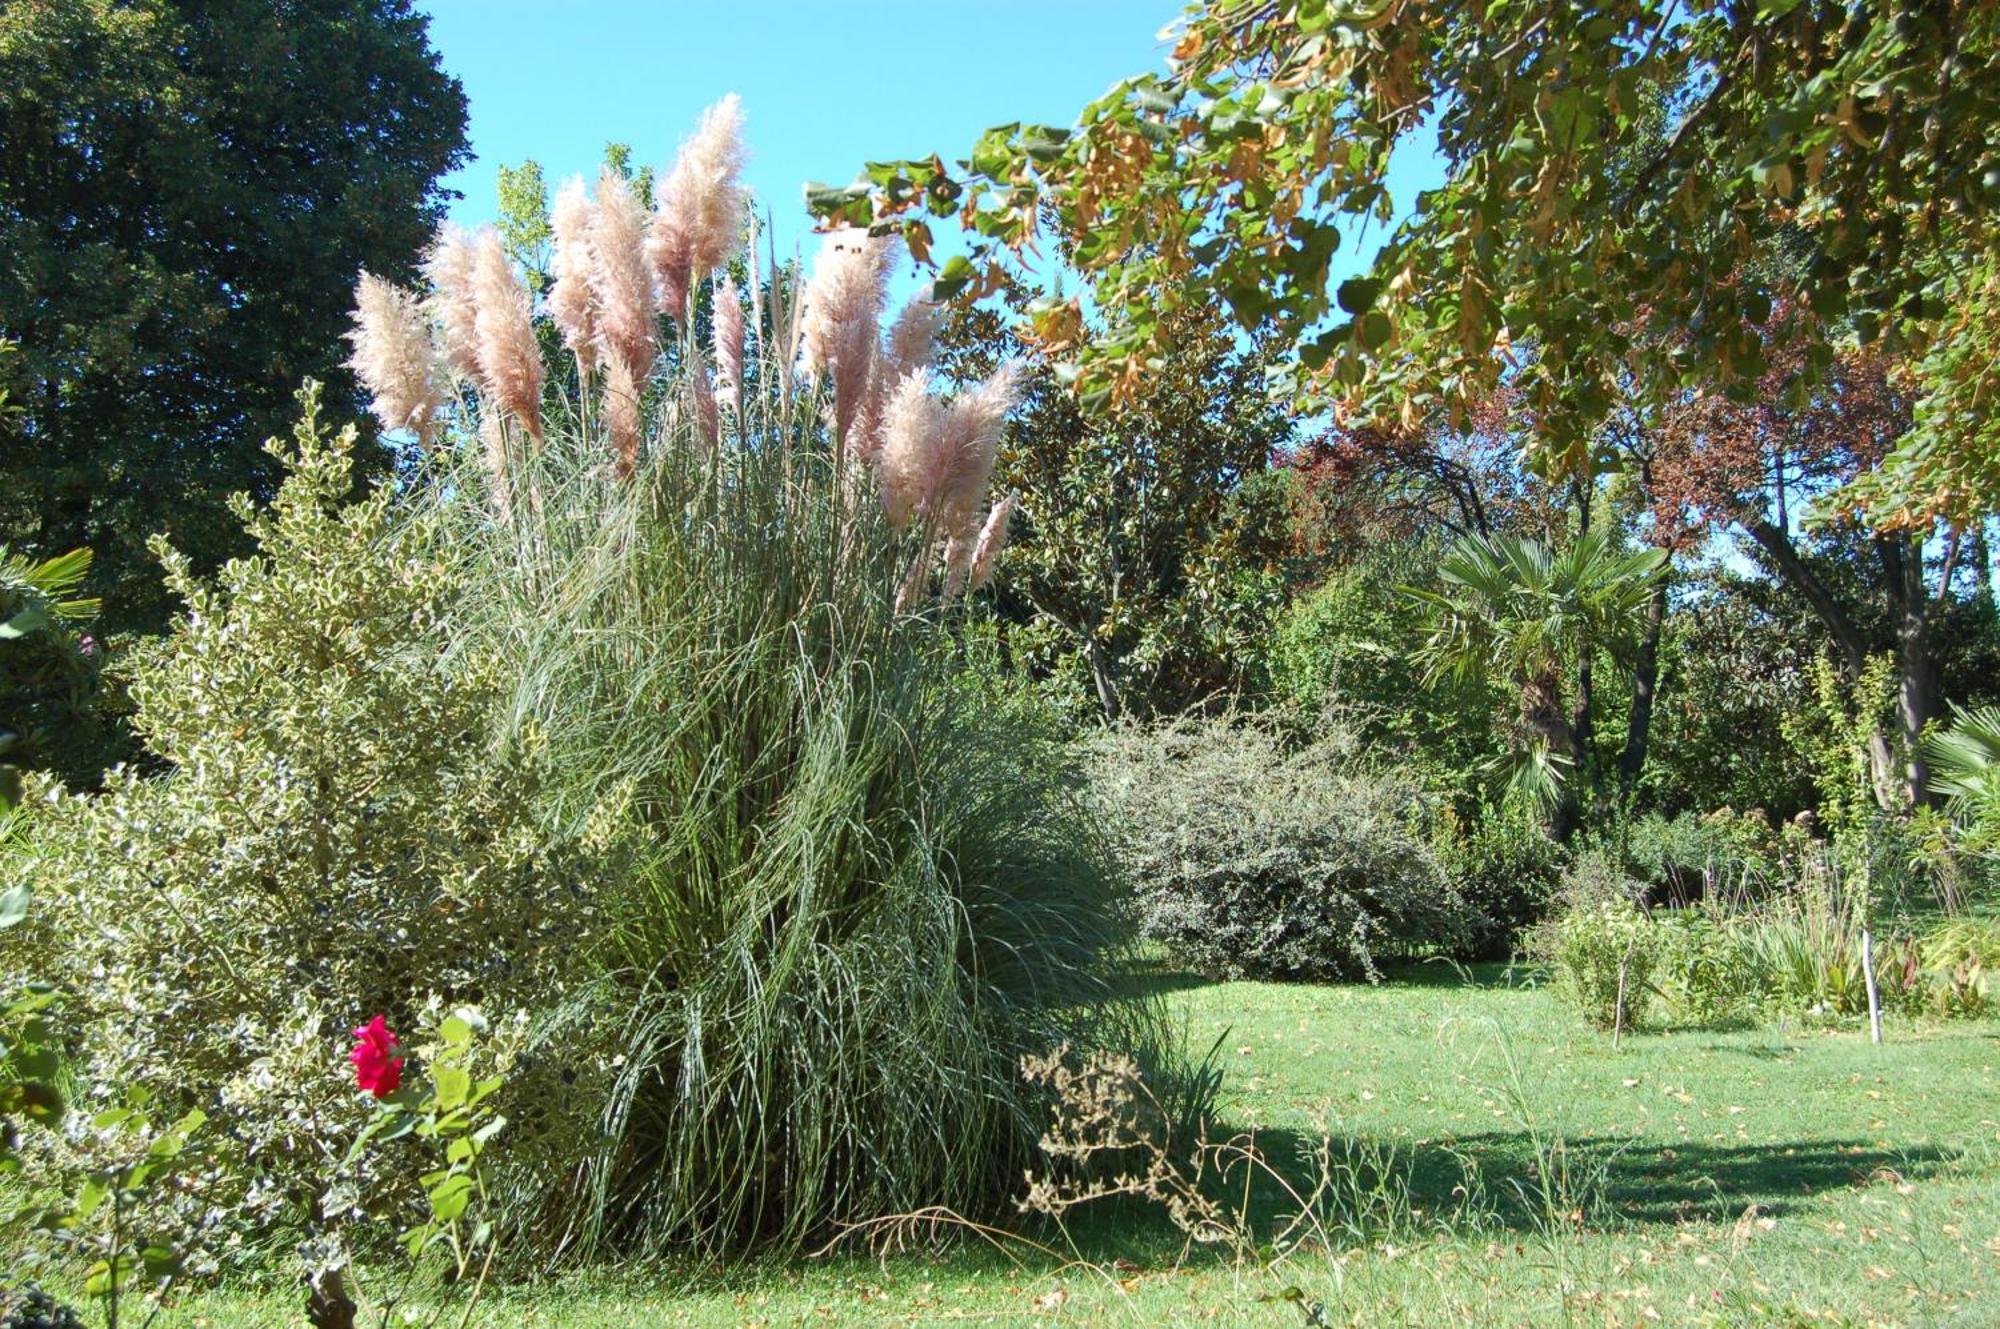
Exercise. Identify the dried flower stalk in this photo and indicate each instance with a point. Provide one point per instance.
(510, 361)
(572, 303)
(393, 357)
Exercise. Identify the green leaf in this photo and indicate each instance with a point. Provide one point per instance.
(1043, 143)
(26, 623)
(827, 200)
(1374, 329)
(14, 905)
(954, 277)
(842, 203)
(1357, 294)
(109, 1277)
(453, 1084)
(450, 1197)
(89, 1198)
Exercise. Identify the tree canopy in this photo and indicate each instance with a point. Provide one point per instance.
(187, 189)
(1618, 176)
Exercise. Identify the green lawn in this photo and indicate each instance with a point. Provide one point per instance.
(1768, 1176)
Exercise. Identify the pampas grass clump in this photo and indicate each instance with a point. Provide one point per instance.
(849, 887)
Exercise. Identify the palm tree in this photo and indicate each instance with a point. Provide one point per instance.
(1965, 768)
(34, 595)
(1513, 607)
(47, 672)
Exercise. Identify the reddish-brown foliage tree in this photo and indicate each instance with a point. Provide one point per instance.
(1757, 466)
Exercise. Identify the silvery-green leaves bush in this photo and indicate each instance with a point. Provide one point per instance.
(1250, 859)
(336, 837)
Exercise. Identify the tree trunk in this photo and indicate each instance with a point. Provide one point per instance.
(1849, 643)
(327, 1304)
(1645, 686)
(1100, 676)
(1583, 725)
(1543, 718)
(1916, 677)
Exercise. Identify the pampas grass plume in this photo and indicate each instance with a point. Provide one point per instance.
(621, 417)
(449, 268)
(701, 393)
(572, 304)
(913, 338)
(669, 250)
(699, 207)
(992, 539)
(727, 333)
(619, 278)
(958, 551)
(910, 423)
(844, 300)
(969, 439)
(510, 361)
(393, 357)
(841, 329)
(704, 191)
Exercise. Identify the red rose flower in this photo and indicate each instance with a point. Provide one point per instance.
(377, 1066)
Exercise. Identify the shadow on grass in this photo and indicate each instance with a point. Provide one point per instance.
(1159, 978)
(1760, 1051)
(1453, 975)
(1495, 1182)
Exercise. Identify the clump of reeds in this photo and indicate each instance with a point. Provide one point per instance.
(850, 889)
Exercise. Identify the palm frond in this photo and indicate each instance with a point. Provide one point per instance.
(1964, 762)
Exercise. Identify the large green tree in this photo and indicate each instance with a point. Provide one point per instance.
(187, 190)
(1143, 577)
(1615, 171)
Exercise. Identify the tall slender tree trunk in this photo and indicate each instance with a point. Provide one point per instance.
(1980, 554)
(1916, 675)
(1645, 687)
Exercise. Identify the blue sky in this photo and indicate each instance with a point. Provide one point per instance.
(826, 84)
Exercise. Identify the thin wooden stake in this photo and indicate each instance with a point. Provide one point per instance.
(1618, 1015)
(1868, 972)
